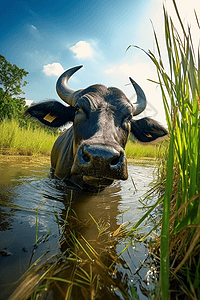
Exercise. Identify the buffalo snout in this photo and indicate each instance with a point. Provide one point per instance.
(99, 161)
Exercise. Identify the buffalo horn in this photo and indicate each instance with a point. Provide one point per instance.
(66, 94)
(141, 98)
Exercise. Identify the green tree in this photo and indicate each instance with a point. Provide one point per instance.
(11, 82)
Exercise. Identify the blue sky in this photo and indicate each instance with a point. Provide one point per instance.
(46, 38)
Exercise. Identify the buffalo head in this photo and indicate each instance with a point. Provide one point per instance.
(91, 152)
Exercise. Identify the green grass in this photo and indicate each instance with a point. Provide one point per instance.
(29, 141)
(25, 141)
(179, 81)
(135, 150)
(181, 91)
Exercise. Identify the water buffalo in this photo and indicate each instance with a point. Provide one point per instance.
(90, 154)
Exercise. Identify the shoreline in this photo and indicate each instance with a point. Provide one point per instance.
(44, 159)
(40, 159)
(142, 160)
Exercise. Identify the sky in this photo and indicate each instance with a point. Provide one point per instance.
(47, 37)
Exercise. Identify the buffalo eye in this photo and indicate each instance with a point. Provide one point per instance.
(82, 106)
(126, 123)
(77, 109)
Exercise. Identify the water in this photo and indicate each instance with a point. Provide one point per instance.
(28, 197)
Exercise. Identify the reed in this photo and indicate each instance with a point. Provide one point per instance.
(179, 80)
(25, 141)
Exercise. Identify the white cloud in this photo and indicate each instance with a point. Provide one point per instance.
(54, 69)
(139, 71)
(82, 49)
(109, 71)
(33, 27)
(29, 102)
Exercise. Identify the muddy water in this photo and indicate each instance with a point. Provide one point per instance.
(31, 206)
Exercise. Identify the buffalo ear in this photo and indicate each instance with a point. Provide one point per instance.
(51, 113)
(147, 130)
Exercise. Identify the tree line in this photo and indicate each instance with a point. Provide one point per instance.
(12, 102)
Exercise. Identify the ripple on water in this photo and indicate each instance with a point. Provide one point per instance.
(28, 195)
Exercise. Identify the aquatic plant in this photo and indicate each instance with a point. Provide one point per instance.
(84, 270)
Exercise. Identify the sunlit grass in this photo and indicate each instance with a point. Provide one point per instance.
(139, 151)
(136, 150)
(25, 141)
(179, 242)
(21, 140)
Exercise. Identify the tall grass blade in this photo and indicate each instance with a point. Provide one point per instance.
(25, 140)
(164, 256)
(179, 82)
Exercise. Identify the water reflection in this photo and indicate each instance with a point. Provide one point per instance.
(32, 207)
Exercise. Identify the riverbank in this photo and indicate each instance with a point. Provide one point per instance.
(24, 160)
(41, 159)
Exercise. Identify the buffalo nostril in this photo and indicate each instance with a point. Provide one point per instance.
(85, 156)
(115, 161)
